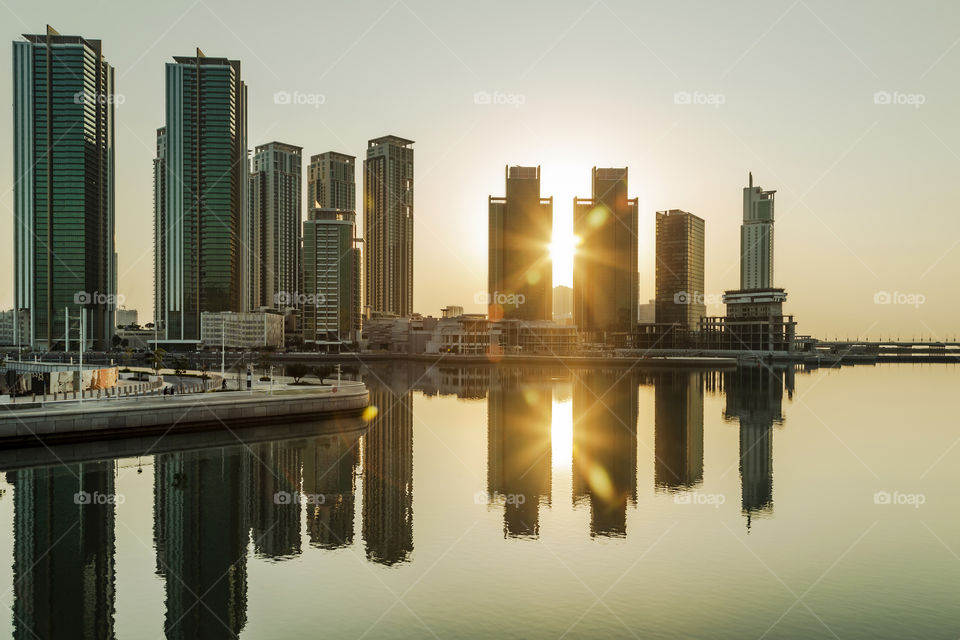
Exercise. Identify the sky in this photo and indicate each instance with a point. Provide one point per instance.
(848, 110)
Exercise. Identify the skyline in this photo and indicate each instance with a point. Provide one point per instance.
(828, 152)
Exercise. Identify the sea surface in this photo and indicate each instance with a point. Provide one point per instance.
(515, 502)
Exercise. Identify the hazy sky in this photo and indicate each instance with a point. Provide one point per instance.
(867, 184)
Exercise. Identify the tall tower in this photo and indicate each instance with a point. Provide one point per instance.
(63, 163)
(520, 272)
(331, 278)
(159, 226)
(756, 239)
(204, 224)
(331, 181)
(605, 266)
(680, 249)
(388, 226)
(273, 235)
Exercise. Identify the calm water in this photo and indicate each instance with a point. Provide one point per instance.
(519, 503)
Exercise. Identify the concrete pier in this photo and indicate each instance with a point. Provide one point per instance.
(106, 419)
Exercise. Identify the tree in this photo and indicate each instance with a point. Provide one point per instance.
(115, 341)
(204, 367)
(319, 373)
(158, 357)
(266, 361)
(180, 369)
(297, 371)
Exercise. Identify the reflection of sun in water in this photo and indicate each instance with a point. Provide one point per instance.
(561, 435)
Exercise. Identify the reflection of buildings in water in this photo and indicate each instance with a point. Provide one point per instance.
(463, 382)
(678, 438)
(275, 500)
(63, 567)
(605, 448)
(388, 477)
(201, 529)
(754, 396)
(329, 464)
(519, 416)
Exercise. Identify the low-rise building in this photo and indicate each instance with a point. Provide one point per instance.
(464, 334)
(248, 330)
(533, 337)
(126, 317)
(9, 320)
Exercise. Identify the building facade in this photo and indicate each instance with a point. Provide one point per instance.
(605, 278)
(63, 161)
(756, 238)
(680, 265)
(272, 237)
(330, 300)
(246, 330)
(331, 181)
(520, 271)
(202, 226)
(388, 225)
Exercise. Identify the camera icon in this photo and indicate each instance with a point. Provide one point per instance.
(481, 497)
(482, 97)
(682, 97)
(682, 498)
(282, 97)
(882, 297)
(82, 297)
(881, 497)
(283, 298)
(882, 97)
(681, 297)
(283, 497)
(481, 297)
(82, 497)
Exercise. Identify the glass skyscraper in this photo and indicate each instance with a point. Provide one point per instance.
(202, 227)
(64, 261)
(388, 226)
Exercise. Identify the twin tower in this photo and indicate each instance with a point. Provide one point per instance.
(605, 266)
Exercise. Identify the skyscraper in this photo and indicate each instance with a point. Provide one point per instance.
(388, 226)
(520, 272)
(63, 162)
(159, 225)
(331, 278)
(605, 265)
(678, 431)
(756, 239)
(273, 236)
(680, 248)
(331, 181)
(202, 230)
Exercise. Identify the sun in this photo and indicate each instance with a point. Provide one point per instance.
(562, 249)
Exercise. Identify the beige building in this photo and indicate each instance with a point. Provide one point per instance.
(241, 330)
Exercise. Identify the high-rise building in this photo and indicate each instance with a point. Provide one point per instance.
(388, 226)
(680, 248)
(562, 303)
(159, 226)
(605, 266)
(331, 278)
(202, 227)
(272, 239)
(756, 239)
(520, 272)
(331, 181)
(63, 163)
